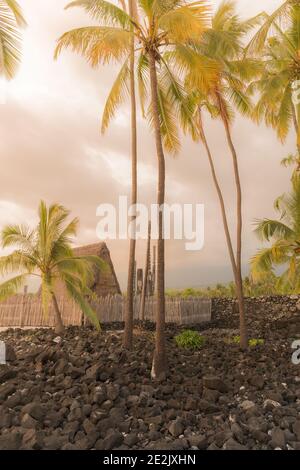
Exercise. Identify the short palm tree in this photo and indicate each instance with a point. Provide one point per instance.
(277, 43)
(46, 252)
(11, 20)
(160, 26)
(284, 235)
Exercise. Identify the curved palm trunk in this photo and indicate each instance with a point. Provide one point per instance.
(59, 327)
(129, 308)
(159, 365)
(239, 278)
(220, 196)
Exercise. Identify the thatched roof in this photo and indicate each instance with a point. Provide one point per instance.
(105, 283)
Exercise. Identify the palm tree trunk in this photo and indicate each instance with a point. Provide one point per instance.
(129, 309)
(146, 275)
(220, 196)
(239, 278)
(59, 327)
(159, 365)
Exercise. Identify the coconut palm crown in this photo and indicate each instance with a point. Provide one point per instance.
(284, 236)
(277, 43)
(164, 26)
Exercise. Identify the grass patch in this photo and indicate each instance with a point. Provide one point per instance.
(253, 342)
(190, 339)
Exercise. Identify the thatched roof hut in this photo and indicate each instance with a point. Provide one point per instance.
(105, 283)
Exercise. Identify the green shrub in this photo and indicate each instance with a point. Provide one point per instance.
(190, 339)
(253, 342)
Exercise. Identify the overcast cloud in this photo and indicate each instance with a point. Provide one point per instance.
(51, 148)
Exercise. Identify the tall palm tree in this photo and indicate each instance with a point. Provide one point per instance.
(11, 21)
(277, 43)
(223, 45)
(123, 85)
(114, 97)
(46, 252)
(284, 235)
(163, 26)
(129, 313)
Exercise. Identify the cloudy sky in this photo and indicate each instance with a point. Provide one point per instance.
(51, 149)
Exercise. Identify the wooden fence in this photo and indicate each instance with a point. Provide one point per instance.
(26, 310)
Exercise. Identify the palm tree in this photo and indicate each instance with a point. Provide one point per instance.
(129, 313)
(284, 235)
(222, 44)
(11, 20)
(125, 82)
(277, 42)
(164, 26)
(46, 252)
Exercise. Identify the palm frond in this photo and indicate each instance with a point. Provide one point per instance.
(187, 22)
(146, 7)
(239, 98)
(168, 124)
(259, 39)
(103, 11)
(289, 160)
(97, 44)
(15, 262)
(11, 20)
(224, 12)
(117, 95)
(77, 295)
(159, 8)
(12, 286)
(17, 12)
(143, 80)
(182, 102)
(201, 72)
(18, 235)
(268, 229)
(263, 262)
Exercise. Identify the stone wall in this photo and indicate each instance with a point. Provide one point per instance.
(278, 310)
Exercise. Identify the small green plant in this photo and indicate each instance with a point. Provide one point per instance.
(256, 342)
(190, 339)
(253, 342)
(236, 339)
